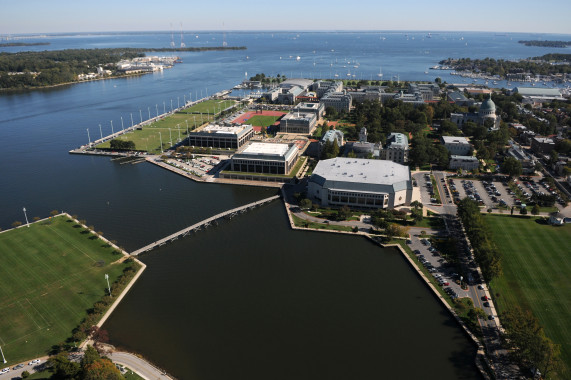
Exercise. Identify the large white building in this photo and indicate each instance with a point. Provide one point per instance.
(265, 158)
(360, 183)
(221, 136)
(456, 145)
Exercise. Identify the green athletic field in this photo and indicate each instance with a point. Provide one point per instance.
(210, 106)
(536, 261)
(262, 121)
(50, 274)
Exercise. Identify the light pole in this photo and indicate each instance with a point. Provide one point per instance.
(194, 125)
(108, 287)
(26, 216)
(100, 132)
(149, 109)
(132, 123)
(164, 108)
(122, 127)
(184, 99)
(3, 358)
(178, 102)
(89, 138)
(171, 105)
(112, 125)
(157, 107)
(161, 138)
(141, 115)
(170, 134)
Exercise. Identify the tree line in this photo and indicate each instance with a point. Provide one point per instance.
(485, 251)
(546, 43)
(501, 67)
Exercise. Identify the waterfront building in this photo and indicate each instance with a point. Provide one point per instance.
(361, 183)
(487, 111)
(456, 145)
(322, 87)
(341, 101)
(464, 162)
(304, 107)
(370, 94)
(297, 122)
(288, 95)
(396, 148)
(221, 136)
(538, 93)
(265, 158)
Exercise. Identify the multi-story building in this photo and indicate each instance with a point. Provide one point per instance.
(221, 136)
(297, 122)
(456, 145)
(317, 108)
(341, 101)
(464, 162)
(361, 183)
(265, 158)
(396, 148)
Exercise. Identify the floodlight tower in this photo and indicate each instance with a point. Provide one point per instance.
(26, 216)
(161, 138)
(181, 39)
(100, 132)
(89, 138)
(3, 358)
(108, 287)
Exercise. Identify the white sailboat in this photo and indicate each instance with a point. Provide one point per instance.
(380, 74)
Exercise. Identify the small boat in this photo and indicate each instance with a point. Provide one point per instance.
(297, 58)
(380, 74)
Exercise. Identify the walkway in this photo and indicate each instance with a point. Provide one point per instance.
(204, 223)
(140, 366)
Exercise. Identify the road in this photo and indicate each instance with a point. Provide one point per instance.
(138, 365)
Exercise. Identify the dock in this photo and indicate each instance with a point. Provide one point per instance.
(204, 223)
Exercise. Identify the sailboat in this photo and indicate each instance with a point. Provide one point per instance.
(380, 74)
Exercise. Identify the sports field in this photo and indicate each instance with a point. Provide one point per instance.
(50, 274)
(536, 261)
(262, 121)
(171, 130)
(210, 106)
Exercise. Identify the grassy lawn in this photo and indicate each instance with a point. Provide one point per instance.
(321, 226)
(51, 273)
(174, 127)
(536, 271)
(262, 121)
(210, 106)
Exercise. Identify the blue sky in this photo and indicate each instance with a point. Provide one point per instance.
(50, 16)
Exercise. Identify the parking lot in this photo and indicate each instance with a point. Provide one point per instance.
(425, 185)
(437, 265)
(198, 166)
(486, 193)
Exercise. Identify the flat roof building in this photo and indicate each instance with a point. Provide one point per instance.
(456, 145)
(360, 183)
(317, 108)
(265, 158)
(297, 122)
(464, 162)
(221, 136)
(539, 93)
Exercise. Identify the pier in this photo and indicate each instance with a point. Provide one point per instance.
(204, 223)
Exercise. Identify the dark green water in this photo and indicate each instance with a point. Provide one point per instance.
(252, 299)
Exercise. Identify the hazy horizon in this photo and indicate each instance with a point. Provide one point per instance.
(66, 16)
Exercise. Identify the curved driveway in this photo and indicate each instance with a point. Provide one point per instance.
(138, 365)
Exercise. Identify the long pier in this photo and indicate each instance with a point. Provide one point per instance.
(204, 223)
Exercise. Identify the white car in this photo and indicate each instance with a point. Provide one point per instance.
(34, 362)
(5, 370)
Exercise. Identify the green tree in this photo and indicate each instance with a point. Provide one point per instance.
(511, 167)
(16, 224)
(64, 368)
(344, 213)
(535, 209)
(305, 204)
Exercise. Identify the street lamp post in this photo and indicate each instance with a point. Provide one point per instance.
(112, 125)
(170, 134)
(3, 358)
(141, 115)
(171, 105)
(108, 287)
(100, 132)
(157, 107)
(178, 102)
(26, 216)
(164, 108)
(161, 138)
(132, 122)
(149, 109)
(89, 138)
(122, 127)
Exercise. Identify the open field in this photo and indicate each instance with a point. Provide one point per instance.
(536, 269)
(148, 137)
(210, 106)
(262, 121)
(51, 273)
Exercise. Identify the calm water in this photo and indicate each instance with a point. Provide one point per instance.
(250, 298)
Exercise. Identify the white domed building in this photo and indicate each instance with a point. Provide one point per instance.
(487, 111)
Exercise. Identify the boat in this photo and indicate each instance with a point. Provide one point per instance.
(380, 74)
(297, 58)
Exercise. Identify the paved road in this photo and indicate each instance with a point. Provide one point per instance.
(17, 373)
(138, 365)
